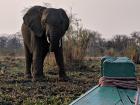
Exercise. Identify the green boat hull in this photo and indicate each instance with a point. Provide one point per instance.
(106, 95)
(109, 95)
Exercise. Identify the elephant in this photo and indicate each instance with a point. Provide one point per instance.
(42, 30)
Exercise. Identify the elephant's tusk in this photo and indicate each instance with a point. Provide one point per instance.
(60, 42)
(48, 39)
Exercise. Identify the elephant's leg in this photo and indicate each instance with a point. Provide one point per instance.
(60, 62)
(37, 65)
(28, 57)
(38, 59)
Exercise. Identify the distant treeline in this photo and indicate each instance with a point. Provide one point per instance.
(82, 43)
(121, 45)
(11, 44)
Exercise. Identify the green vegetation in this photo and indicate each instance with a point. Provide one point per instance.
(15, 90)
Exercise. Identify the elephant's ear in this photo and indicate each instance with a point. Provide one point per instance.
(65, 19)
(33, 20)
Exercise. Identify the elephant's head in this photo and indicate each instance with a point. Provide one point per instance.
(47, 21)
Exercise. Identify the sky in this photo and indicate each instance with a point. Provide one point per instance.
(108, 17)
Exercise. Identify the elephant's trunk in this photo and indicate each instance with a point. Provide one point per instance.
(55, 42)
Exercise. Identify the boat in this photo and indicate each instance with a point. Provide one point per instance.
(117, 85)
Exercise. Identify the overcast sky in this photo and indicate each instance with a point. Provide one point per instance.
(108, 17)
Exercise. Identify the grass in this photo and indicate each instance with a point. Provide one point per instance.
(15, 90)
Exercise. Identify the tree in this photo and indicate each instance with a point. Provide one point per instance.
(96, 44)
(120, 42)
(3, 41)
(13, 43)
(136, 38)
(75, 40)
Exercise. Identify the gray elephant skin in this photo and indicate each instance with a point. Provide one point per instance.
(42, 31)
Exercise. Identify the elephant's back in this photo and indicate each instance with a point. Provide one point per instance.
(35, 10)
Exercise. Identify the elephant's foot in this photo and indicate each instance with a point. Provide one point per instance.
(63, 77)
(27, 76)
(38, 78)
